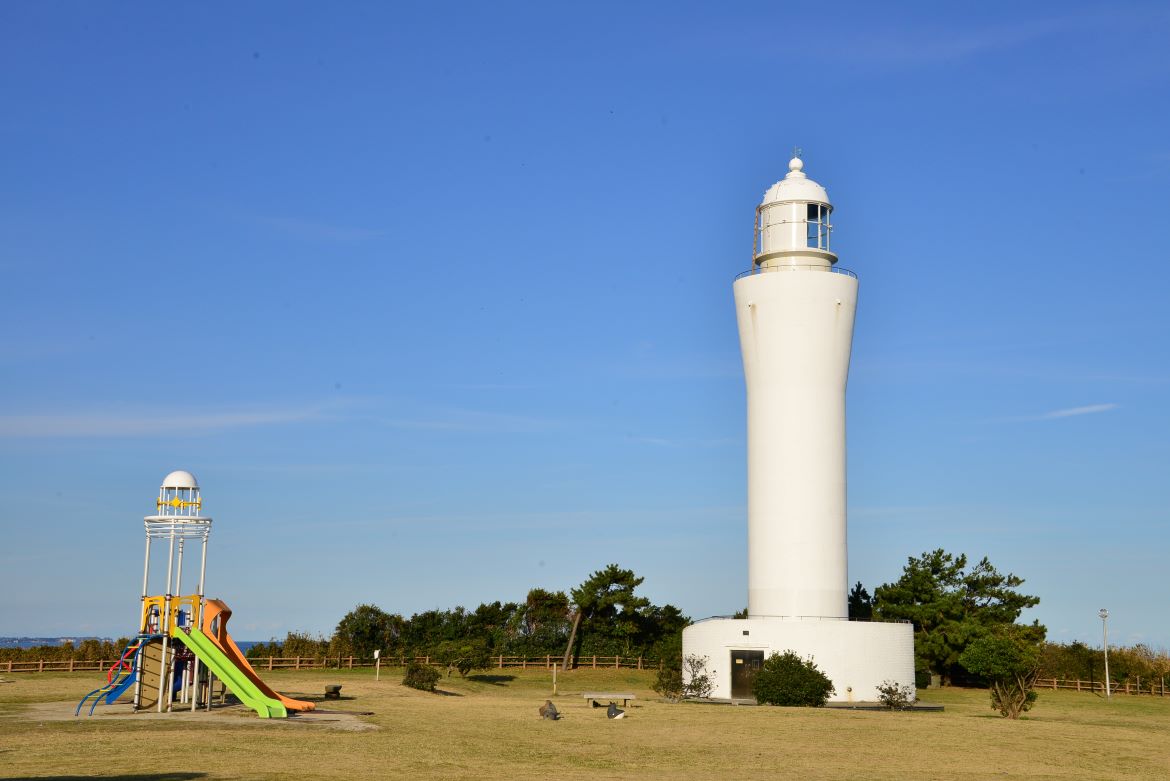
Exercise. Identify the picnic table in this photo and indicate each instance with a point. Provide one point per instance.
(597, 697)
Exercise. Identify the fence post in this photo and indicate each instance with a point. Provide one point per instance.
(594, 661)
(297, 664)
(41, 666)
(501, 661)
(547, 660)
(351, 662)
(70, 665)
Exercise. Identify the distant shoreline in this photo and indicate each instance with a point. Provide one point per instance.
(33, 642)
(76, 640)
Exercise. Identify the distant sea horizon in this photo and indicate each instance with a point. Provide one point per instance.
(33, 642)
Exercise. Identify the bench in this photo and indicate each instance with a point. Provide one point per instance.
(597, 697)
(333, 691)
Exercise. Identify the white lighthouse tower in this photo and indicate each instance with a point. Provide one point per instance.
(795, 310)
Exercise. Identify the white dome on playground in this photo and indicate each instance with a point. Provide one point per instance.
(180, 478)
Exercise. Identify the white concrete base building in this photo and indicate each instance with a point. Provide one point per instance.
(857, 656)
(795, 311)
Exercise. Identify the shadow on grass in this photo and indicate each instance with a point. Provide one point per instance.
(126, 777)
(494, 680)
(322, 712)
(436, 691)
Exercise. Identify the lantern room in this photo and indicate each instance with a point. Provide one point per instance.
(792, 223)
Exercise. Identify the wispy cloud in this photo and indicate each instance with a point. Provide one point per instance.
(146, 424)
(924, 45)
(24, 349)
(1058, 414)
(885, 366)
(545, 519)
(661, 441)
(1073, 412)
(898, 45)
(645, 367)
(1158, 167)
(676, 442)
(317, 231)
(311, 470)
(904, 512)
(470, 421)
(490, 386)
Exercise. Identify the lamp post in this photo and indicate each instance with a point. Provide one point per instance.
(1105, 641)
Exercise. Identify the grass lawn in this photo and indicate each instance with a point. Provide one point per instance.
(487, 727)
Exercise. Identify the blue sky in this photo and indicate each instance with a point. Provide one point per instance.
(436, 299)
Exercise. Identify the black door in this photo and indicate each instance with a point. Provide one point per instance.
(743, 668)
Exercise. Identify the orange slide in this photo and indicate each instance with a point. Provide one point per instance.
(216, 609)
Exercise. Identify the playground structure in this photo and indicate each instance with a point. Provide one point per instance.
(182, 653)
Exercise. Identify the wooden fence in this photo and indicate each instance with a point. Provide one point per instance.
(546, 662)
(1156, 687)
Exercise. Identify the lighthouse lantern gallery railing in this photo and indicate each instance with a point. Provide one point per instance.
(799, 267)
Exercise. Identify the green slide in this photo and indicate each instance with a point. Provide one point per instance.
(236, 681)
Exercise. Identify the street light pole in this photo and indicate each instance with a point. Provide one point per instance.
(1105, 641)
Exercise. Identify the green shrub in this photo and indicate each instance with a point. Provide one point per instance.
(786, 679)
(688, 678)
(697, 682)
(90, 650)
(669, 683)
(463, 655)
(421, 676)
(1010, 661)
(300, 644)
(263, 650)
(895, 696)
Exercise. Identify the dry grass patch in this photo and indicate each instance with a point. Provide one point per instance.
(486, 726)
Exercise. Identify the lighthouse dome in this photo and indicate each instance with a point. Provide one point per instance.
(796, 186)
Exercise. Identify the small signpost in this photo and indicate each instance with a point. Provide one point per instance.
(377, 665)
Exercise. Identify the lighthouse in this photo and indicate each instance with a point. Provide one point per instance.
(795, 309)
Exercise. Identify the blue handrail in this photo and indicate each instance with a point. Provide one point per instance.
(118, 684)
